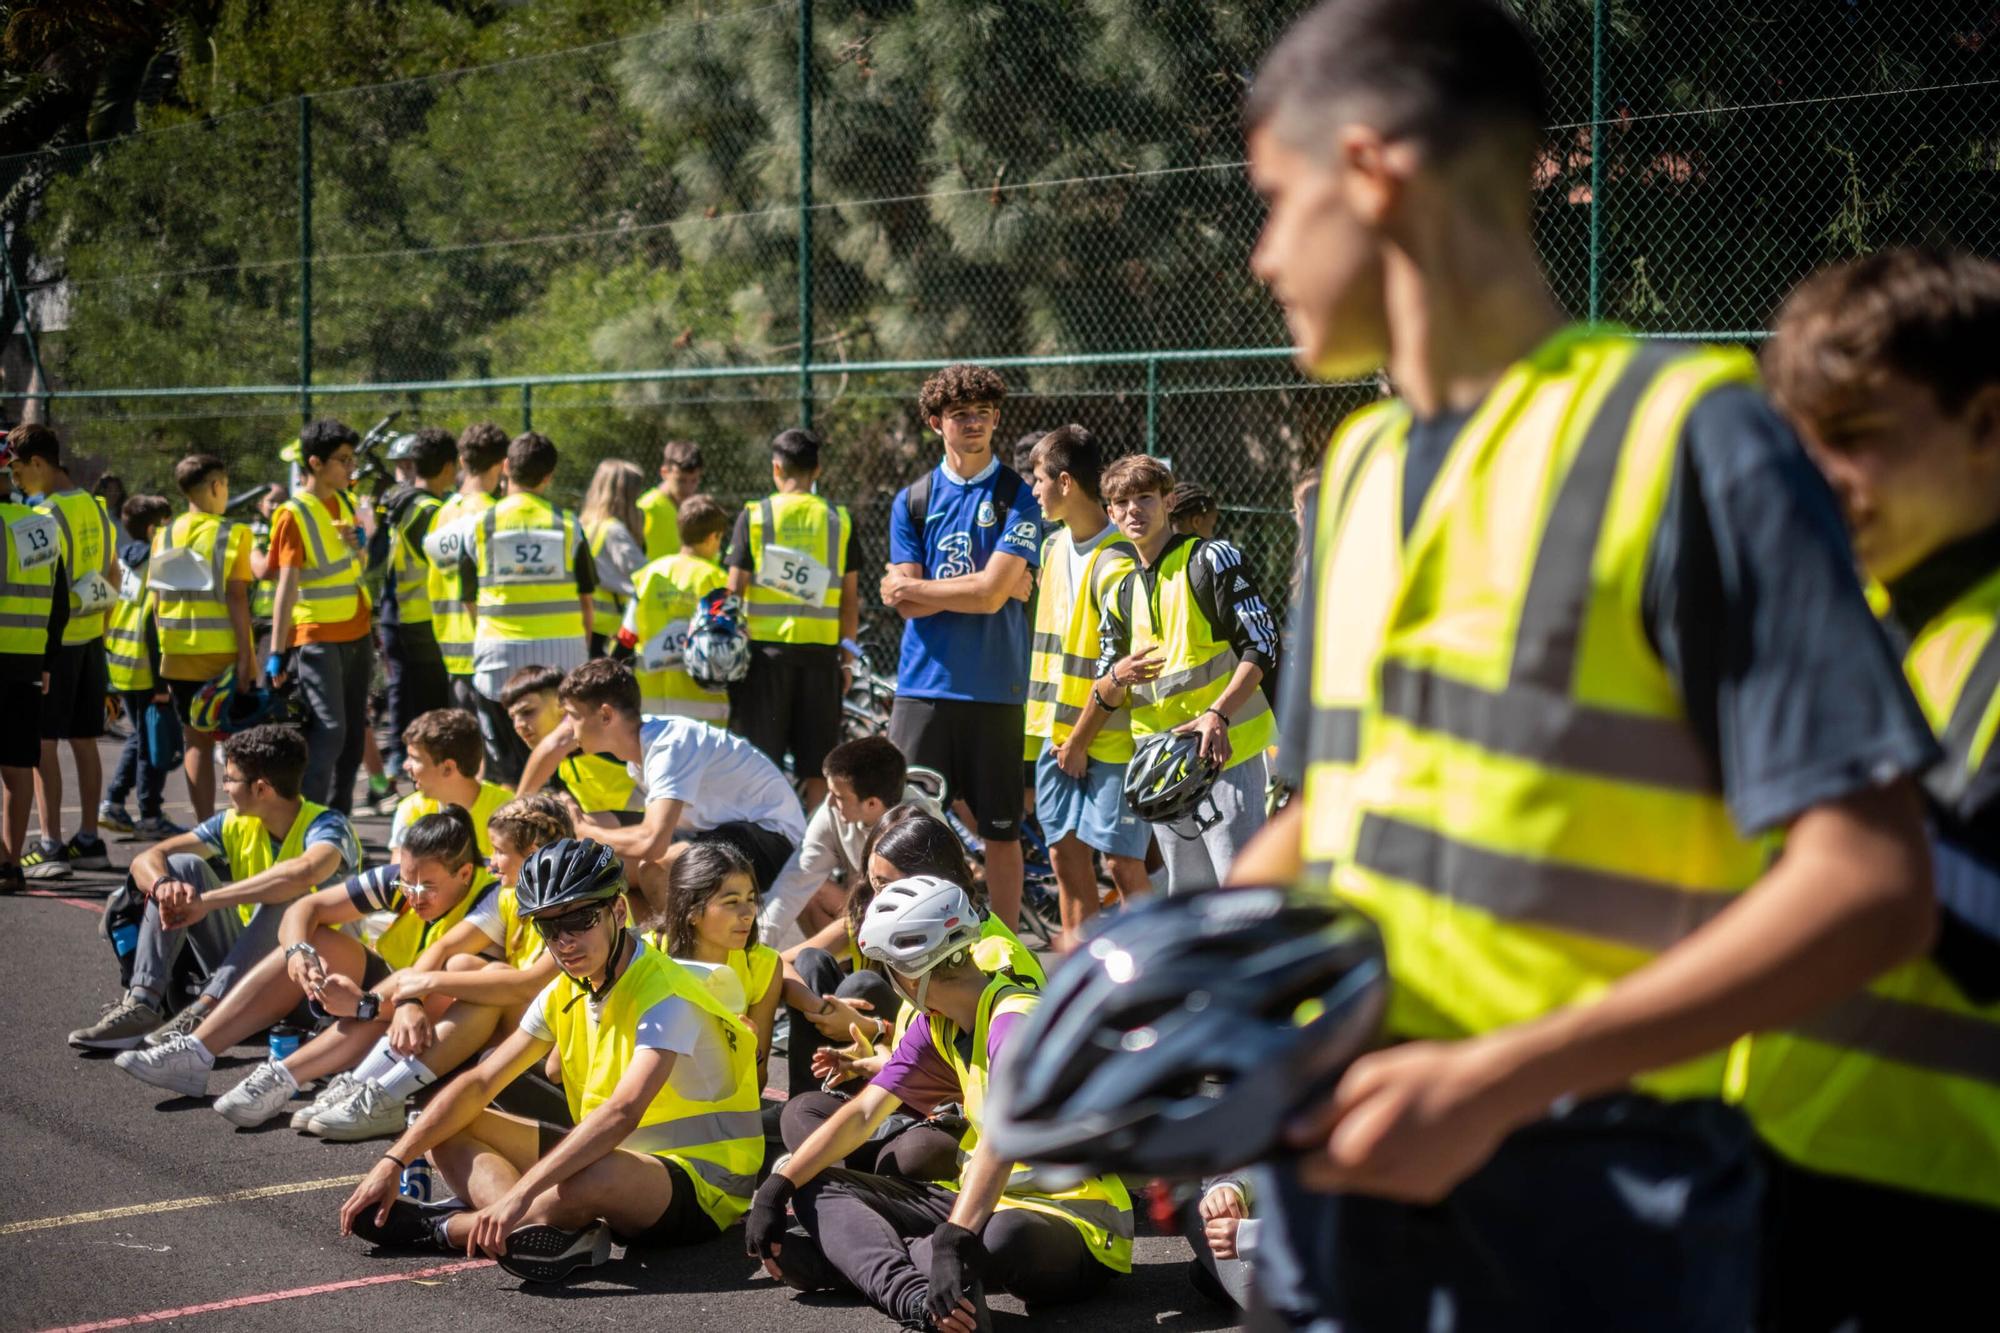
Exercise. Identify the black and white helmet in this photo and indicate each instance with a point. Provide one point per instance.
(1168, 777)
(717, 652)
(1182, 1037)
(917, 923)
(568, 872)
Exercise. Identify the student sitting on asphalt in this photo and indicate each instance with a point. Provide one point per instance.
(600, 787)
(865, 777)
(479, 994)
(709, 921)
(273, 846)
(917, 1251)
(661, 1080)
(697, 779)
(436, 880)
(442, 752)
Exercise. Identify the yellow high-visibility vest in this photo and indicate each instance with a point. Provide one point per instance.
(33, 549)
(665, 594)
(596, 782)
(1063, 668)
(126, 661)
(660, 513)
(798, 544)
(246, 845)
(608, 606)
(192, 606)
(330, 581)
(449, 536)
(525, 552)
(409, 569)
(1195, 663)
(87, 542)
(719, 1143)
(408, 934)
(1500, 771)
(1899, 1085)
(491, 797)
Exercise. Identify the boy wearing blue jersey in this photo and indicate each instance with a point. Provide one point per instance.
(964, 541)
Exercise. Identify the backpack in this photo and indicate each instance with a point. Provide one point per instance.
(1006, 489)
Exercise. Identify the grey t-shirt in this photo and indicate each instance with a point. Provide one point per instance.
(1752, 602)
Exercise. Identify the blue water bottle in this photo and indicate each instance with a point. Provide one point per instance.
(125, 939)
(416, 1181)
(285, 1041)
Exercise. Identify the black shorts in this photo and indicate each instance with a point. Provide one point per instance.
(790, 702)
(78, 682)
(766, 850)
(683, 1223)
(978, 749)
(21, 738)
(184, 692)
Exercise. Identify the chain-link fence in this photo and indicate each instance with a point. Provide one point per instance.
(762, 213)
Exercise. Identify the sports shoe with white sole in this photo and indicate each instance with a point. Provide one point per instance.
(124, 1024)
(369, 1113)
(156, 828)
(181, 1024)
(174, 1065)
(337, 1090)
(542, 1253)
(46, 859)
(257, 1098)
(113, 817)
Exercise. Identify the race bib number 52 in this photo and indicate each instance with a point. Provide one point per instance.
(526, 555)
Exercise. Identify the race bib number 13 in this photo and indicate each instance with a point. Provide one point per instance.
(36, 542)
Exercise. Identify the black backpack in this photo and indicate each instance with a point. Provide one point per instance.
(1006, 489)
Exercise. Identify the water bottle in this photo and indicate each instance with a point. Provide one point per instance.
(416, 1181)
(285, 1041)
(124, 939)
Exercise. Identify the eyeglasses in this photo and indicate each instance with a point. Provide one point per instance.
(414, 888)
(569, 923)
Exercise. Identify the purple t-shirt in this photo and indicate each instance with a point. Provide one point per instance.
(918, 1076)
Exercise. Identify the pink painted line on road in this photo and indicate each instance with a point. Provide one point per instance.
(52, 896)
(266, 1298)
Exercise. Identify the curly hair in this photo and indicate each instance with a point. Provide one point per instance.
(529, 822)
(961, 384)
(481, 445)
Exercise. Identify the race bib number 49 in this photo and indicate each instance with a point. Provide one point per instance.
(526, 555)
(663, 651)
(794, 573)
(36, 542)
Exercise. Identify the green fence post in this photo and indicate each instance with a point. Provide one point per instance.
(305, 259)
(19, 295)
(805, 214)
(1152, 404)
(1597, 149)
(527, 408)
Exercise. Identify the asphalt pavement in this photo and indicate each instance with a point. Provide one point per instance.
(125, 1206)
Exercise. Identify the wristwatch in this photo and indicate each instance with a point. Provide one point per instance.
(368, 1006)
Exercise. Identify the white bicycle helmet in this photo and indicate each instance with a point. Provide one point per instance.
(717, 652)
(915, 924)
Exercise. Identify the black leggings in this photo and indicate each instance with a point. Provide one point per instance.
(876, 1230)
(823, 975)
(905, 1145)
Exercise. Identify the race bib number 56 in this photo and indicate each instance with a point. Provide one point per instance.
(793, 573)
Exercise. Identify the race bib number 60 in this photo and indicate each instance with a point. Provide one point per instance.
(445, 544)
(36, 542)
(526, 555)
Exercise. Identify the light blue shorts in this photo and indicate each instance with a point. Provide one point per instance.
(1093, 809)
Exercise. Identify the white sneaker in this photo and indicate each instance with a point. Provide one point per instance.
(257, 1098)
(369, 1114)
(176, 1066)
(337, 1090)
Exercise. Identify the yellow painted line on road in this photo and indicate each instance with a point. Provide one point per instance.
(174, 1205)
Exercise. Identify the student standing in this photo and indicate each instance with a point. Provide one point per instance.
(1586, 643)
(34, 607)
(680, 477)
(963, 542)
(792, 561)
(664, 596)
(482, 454)
(321, 621)
(132, 660)
(611, 521)
(426, 464)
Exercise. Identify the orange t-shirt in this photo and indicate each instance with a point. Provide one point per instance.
(288, 550)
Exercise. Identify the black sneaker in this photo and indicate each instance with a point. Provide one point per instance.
(542, 1253)
(87, 853)
(411, 1225)
(803, 1266)
(46, 859)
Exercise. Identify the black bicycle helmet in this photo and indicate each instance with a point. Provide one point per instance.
(1180, 1040)
(1167, 778)
(568, 871)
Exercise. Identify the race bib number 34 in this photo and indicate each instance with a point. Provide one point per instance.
(526, 555)
(783, 569)
(35, 540)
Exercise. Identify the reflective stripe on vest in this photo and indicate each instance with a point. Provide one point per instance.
(1899, 1085)
(608, 605)
(451, 619)
(409, 570)
(1195, 665)
(1098, 1207)
(27, 596)
(813, 526)
(128, 665)
(246, 845)
(1500, 771)
(598, 784)
(1063, 666)
(524, 610)
(664, 596)
(87, 541)
(330, 580)
(719, 1143)
(197, 622)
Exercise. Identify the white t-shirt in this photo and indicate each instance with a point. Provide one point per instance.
(833, 846)
(485, 914)
(696, 1037)
(1079, 553)
(720, 777)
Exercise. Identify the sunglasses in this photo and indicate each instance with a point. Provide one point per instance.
(569, 923)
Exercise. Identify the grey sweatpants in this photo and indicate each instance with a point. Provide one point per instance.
(221, 938)
(334, 678)
(1201, 862)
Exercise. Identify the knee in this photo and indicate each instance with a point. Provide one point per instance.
(874, 988)
(466, 962)
(802, 1115)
